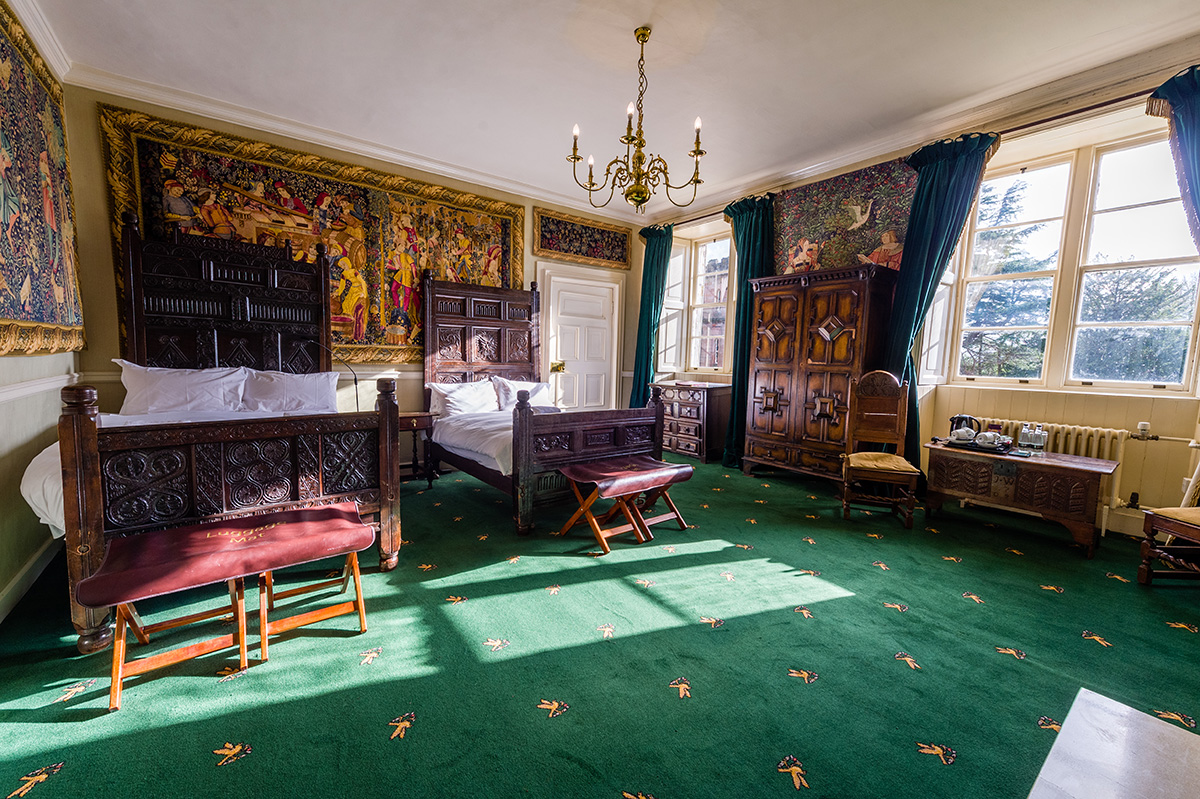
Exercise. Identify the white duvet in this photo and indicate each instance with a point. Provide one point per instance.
(41, 485)
(488, 434)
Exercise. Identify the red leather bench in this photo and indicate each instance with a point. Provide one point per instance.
(623, 480)
(145, 565)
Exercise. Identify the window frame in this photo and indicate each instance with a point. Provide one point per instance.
(685, 343)
(1063, 320)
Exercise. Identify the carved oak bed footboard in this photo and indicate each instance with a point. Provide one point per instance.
(123, 481)
(474, 333)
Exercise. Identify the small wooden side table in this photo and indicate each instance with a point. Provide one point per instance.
(416, 421)
(1059, 488)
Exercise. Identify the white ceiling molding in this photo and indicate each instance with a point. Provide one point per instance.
(89, 78)
(40, 33)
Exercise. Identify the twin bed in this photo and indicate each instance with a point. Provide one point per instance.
(259, 315)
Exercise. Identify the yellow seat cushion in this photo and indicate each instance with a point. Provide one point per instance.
(883, 461)
(1185, 515)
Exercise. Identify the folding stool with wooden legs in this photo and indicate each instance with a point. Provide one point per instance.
(623, 480)
(160, 562)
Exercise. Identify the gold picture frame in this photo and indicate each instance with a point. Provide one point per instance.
(122, 130)
(581, 241)
(41, 310)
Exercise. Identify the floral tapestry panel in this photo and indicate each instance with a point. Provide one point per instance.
(579, 240)
(858, 217)
(380, 231)
(40, 309)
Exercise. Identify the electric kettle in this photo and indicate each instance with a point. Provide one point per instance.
(963, 421)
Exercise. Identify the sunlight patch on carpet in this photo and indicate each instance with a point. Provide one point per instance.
(605, 611)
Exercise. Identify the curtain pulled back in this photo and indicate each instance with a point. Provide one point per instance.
(1179, 101)
(948, 176)
(654, 283)
(753, 220)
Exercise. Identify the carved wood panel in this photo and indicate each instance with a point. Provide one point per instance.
(258, 472)
(485, 345)
(775, 329)
(450, 343)
(825, 407)
(832, 326)
(1056, 493)
(960, 475)
(145, 487)
(350, 461)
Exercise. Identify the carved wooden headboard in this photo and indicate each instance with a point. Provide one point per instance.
(474, 332)
(197, 302)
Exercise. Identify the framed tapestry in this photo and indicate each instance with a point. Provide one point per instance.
(579, 240)
(858, 217)
(382, 231)
(40, 310)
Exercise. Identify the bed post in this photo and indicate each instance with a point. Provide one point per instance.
(389, 473)
(132, 323)
(656, 403)
(326, 334)
(82, 505)
(522, 474)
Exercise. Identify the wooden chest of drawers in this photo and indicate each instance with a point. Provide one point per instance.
(695, 418)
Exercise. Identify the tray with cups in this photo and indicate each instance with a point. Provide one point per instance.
(986, 441)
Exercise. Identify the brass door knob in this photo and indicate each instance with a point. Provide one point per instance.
(558, 366)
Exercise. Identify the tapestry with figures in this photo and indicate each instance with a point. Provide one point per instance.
(40, 310)
(381, 231)
(858, 217)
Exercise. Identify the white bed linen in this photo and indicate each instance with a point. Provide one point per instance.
(488, 434)
(41, 485)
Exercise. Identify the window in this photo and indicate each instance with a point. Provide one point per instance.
(693, 335)
(1077, 269)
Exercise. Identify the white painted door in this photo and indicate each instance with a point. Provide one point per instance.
(581, 333)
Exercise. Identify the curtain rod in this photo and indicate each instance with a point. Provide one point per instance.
(1076, 112)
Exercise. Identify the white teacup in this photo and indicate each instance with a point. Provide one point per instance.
(962, 434)
(988, 439)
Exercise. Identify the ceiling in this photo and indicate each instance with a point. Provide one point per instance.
(487, 91)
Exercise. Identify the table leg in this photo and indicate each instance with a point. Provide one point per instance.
(1085, 534)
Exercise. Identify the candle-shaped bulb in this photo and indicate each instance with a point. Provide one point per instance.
(591, 161)
(575, 132)
(697, 125)
(629, 111)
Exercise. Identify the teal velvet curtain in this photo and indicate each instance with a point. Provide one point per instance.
(753, 220)
(1179, 101)
(654, 282)
(948, 177)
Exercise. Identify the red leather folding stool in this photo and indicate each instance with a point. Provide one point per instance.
(623, 480)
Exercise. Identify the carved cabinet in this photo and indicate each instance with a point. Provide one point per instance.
(813, 333)
(695, 418)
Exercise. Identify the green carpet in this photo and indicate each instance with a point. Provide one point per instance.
(772, 634)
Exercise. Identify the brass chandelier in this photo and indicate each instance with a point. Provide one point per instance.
(633, 173)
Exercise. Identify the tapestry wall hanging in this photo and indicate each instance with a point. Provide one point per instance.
(40, 310)
(859, 217)
(380, 230)
(579, 240)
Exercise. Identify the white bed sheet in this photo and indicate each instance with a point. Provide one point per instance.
(41, 485)
(486, 438)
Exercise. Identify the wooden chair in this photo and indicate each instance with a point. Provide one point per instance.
(878, 413)
(1183, 554)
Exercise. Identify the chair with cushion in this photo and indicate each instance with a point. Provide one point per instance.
(1181, 549)
(878, 411)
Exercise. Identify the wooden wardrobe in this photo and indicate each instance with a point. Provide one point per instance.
(813, 333)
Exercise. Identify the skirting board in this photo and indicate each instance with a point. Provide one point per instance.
(18, 585)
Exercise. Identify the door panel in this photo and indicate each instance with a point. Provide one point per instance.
(581, 328)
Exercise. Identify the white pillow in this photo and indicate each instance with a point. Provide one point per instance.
(283, 392)
(506, 392)
(151, 389)
(449, 399)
